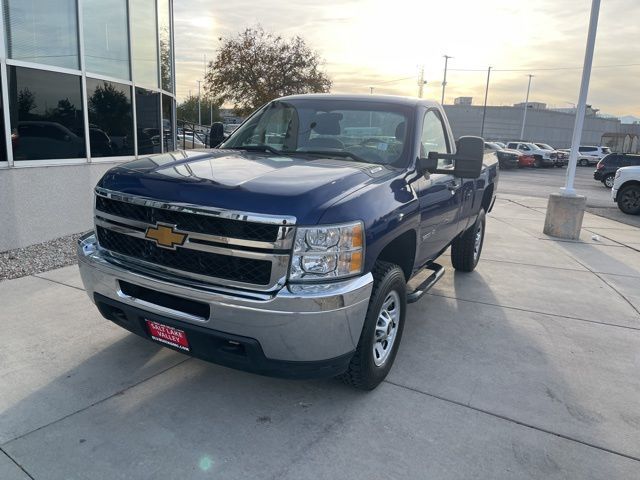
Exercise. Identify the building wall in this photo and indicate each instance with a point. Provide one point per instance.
(546, 126)
(84, 84)
(43, 203)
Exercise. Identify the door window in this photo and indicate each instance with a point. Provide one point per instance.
(434, 137)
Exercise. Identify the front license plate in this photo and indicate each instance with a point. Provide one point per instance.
(168, 335)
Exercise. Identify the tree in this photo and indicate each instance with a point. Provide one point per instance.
(110, 108)
(256, 66)
(26, 103)
(188, 110)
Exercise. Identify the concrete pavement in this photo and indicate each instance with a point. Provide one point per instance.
(526, 368)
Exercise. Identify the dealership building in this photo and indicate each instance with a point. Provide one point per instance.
(84, 84)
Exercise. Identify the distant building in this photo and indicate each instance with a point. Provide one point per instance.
(543, 125)
(463, 101)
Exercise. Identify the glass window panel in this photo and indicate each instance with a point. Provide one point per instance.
(46, 113)
(165, 45)
(3, 142)
(144, 38)
(148, 118)
(42, 31)
(106, 37)
(167, 124)
(110, 118)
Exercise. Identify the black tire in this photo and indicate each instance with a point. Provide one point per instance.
(583, 162)
(629, 199)
(465, 252)
(537, 162)
(608, 180)
(363, 373)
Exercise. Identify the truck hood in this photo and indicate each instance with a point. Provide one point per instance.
(302, 186)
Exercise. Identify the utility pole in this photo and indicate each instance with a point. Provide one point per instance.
(526, 106)
(565, 211)
(568, 189)
(421, 82)
(199, 112)
(444, 80)
(371, 90)
(486, 94)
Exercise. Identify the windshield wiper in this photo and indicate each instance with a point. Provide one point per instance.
(258, 148)
(336, 153)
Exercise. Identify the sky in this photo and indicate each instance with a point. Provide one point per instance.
(383, 44)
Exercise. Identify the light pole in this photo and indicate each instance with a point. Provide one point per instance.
(444, 80)
(486, 94)
(565, 210)
(199, 113)
(526, 106)
(371, 90)
(421, 82)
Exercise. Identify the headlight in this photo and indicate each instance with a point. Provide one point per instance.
(617, 173)
(327, 252)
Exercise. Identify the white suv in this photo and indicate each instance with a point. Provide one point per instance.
(590, 155)
(626, 190)
(543, 157)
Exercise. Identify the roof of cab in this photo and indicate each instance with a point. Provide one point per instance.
(394, 99)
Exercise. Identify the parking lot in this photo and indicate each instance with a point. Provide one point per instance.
(542, 182)
(526, 368)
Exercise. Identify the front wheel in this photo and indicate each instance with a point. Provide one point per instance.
(466, 249)
(537, 163)
(583, 162)
(608, 180)
(382, 330)
(629, 199)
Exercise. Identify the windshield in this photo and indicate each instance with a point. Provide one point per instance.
(544, 146)
(606, 150)
(374, 132)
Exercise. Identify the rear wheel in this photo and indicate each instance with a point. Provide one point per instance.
(629, 199)
(583, 162)
(382, 330)
(608, 180)
(466, 249)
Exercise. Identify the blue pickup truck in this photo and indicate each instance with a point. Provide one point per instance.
(293, 248)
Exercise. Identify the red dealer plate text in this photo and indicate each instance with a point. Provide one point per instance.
(168, 335)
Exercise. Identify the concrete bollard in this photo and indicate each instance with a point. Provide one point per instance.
(564, 216)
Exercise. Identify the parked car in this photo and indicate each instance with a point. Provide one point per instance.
(506, 158)
(291, 258)
(542, 157)
(561, 157)
(591, 155)
(626, 190)
(607, 167)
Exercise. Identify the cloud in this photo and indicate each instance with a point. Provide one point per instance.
(375, 43)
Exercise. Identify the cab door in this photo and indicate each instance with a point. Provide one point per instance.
(439, 194)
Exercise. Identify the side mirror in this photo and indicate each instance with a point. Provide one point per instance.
(469, 157)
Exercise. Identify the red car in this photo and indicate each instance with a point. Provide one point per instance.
(525, 161)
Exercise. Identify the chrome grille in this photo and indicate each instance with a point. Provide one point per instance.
(222, 247)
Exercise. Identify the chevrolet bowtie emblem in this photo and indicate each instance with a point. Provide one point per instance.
(165, 236)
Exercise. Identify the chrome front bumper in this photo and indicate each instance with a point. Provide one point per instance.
(296, 323)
